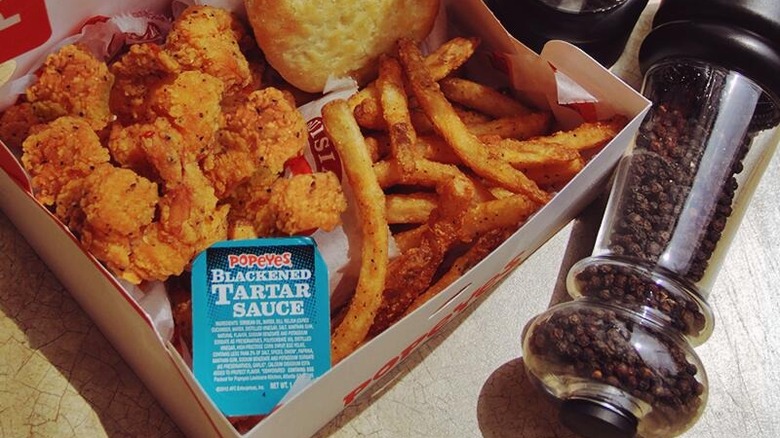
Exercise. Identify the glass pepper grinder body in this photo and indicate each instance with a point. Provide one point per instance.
(620, 356)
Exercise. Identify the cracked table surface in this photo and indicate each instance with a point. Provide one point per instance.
(59, 377)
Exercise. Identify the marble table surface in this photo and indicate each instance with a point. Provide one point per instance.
(59, 377)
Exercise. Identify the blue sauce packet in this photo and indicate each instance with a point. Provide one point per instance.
(261, 321)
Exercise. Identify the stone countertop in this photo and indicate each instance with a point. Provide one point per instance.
(59, 377)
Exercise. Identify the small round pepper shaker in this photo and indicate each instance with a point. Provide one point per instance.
(620, 357)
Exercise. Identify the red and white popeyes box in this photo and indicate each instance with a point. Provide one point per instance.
(562, 77)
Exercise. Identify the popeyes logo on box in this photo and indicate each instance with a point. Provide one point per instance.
(24, 25)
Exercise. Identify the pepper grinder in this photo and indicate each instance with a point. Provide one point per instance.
(599, 27)
(620, 357)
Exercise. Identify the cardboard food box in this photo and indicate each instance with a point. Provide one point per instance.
(548, 79)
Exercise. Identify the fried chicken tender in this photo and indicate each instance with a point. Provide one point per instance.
(73, 82)
(118, 201)
(139, 72)
(151, 149)
(264, 132)
(16, 122)
(191, 104)
(188, 210)
(206, 38)
(117, 206)
(157, 237)
(306, 202)
(250, 216)
(64, 150)
(187, 116)
(189, 222)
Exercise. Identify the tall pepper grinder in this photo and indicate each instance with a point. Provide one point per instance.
(620, 357)
(599, 27)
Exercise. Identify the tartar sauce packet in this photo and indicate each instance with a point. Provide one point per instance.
(260, 321)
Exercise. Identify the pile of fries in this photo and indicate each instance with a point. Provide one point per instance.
(448, 168)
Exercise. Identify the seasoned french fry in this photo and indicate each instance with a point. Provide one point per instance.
(427, 173)
(471, 117)
(448, 125)
(483, 246)
(395, 109)
(530, 154)
(519, 127)
(413, 208)
(436, 149)
(482, 98)
(345, 133)
(411, 274)
(492, 161)
(368, 114)
(450, 56)
(420, 121)
(375, 148)
(506, 212)
(588, 135)
(556, 175)
(443, 61)
(406, 240)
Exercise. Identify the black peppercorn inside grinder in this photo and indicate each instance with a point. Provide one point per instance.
(620, 357)
(599, 27)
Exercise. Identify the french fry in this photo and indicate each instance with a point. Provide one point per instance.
(530, 154)
(506, 212)
(471, 117)
(447, 58)
(427, 173)
(483, 246)
(450, 56)
(556, 175)
(413, 208)
(420, 121)
(344, 131)
(411, 274)
(375, 148)
(408, 239)
(448, 125)
(368, 114)
(482, 98)
(519, 127)
(395, 109)
(436, 149)
(588, 135)
(492, 161)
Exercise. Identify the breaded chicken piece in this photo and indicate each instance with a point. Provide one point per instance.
(156, 237)
(189, 222)
(139, 72)
(73, 82)
(189, 211)
(61, 151)
(154, 150)
(307, 202)
(250, 216)
(206, 38)
(118, 201)
(15, 124)
(117, 206)
(264, 133)
(191, 104)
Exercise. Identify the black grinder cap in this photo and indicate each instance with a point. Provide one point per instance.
(591, 419)
(739, 35)
(599, 27)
